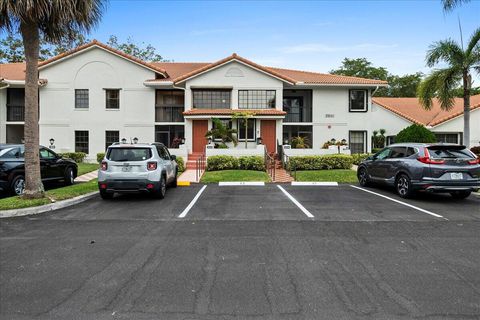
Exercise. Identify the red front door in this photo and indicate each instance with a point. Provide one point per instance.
(200, 128)
(268, 134)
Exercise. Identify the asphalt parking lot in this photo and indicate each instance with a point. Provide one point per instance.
(246, 252)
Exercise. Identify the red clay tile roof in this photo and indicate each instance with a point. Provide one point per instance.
(226, 112)
(325, 78)
(234, 56)
(412, 110)
(12, 71)
(108, 48)
(179, 71)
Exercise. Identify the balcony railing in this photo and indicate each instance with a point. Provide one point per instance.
(305, 115)
(169, 114)
(15, 113)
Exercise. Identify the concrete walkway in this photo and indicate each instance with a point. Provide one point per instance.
(87, 176)
(189, 175)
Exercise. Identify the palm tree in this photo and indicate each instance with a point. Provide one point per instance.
(55, 20)
(441, 83)
(244, 116)
(449, 5)
(222, 132)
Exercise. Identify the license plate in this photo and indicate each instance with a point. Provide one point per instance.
(456, 175)
(127, 169)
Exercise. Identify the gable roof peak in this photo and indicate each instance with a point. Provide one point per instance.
(96, 43)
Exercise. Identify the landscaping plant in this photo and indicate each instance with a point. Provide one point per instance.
(415, 133)
(326, 162)
(223, 133)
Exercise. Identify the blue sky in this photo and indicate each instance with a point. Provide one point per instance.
(307, 35)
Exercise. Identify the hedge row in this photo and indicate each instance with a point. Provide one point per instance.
(215, 163)
(181, 164)
(327, 162)
(76, 156)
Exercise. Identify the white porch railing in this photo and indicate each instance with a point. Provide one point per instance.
(259, 150)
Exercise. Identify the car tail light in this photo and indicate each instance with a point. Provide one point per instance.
(103, 186)
(474, 161)
(104, 166)
(426, 159)
(151, 166)
(150, 186)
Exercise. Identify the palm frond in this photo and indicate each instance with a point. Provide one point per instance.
(473, 43)
(447, 50)
(439, 84)
(449, 5)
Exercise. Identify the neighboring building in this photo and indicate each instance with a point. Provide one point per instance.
(394, 114)
(95, 95)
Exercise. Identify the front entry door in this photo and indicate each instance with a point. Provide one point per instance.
(268, 134)
(200, 128)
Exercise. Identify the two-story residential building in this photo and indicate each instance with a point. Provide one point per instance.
(95, 95)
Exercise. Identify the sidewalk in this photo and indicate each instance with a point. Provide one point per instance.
(87, 176)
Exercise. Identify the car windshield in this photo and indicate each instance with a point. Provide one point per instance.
(129, 154)
(449, 152)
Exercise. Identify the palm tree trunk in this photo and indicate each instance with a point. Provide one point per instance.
(246, 132)
(33, 181)
(466, 108)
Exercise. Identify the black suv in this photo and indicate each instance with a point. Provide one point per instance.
(412, 167)
(52, 167)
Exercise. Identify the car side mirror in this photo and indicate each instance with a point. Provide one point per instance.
(173, 157)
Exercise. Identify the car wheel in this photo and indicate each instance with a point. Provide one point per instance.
(106, 195)
(160, 193)
(460, 194)
(174, 182)
(18, 185)
(69, 177)
(403, 186)
(362, 176)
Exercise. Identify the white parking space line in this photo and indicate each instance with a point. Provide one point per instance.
(315, 183)
(192, 203)
(241, 183)
(298, 204)
(401, 202)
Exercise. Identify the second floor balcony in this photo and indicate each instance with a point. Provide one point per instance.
(169, 114)
(298, 105)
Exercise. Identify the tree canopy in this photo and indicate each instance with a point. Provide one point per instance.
(11, 47)
(399, 86)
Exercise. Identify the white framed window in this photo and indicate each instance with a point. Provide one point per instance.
(112, 98)
(358, 100)
(357, 141)
(81, 99)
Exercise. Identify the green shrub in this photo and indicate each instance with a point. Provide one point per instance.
(476, 150)
(100, 156)
(76, 156)
(251, 163)
(415, 133)
(181, 164)
(336, 161)
(359, 157)
(215, 163)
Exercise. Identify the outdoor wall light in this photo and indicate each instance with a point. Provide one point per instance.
(209, 140)
(259, 140)
(344, 141)
(135, 140)
(52, 143)
(333, 140)
(183, 140)
(124, 140)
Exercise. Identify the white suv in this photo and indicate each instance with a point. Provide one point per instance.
(133, 168)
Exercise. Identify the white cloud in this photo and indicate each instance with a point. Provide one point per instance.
(324, 48)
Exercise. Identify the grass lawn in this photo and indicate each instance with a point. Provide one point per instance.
(234, 175)
(339, 175)
(86, 168)
(54, 194)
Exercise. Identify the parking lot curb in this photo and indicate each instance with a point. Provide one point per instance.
(47, 207)
(183, 183)
(315, 183)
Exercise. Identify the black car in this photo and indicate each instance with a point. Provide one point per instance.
(413, 167)
(52, 167)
